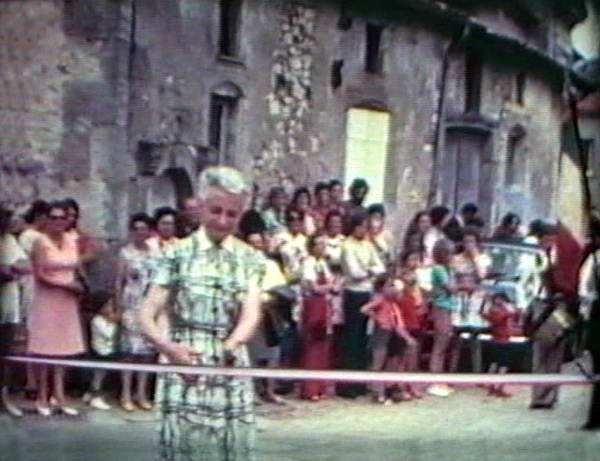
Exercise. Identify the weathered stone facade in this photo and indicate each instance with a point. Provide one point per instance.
(120, 104)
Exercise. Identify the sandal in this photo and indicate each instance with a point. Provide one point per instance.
(144, 405)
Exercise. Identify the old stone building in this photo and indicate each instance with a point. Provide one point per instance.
(120, 104)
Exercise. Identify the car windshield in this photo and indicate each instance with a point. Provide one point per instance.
(515, 270)
(513, 261)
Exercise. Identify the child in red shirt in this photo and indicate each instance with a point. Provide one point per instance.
(389, 332)
(410, 301)
(503, 319)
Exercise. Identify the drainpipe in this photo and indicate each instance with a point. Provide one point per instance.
(439, 135)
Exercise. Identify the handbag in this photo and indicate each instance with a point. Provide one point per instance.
(550, 320)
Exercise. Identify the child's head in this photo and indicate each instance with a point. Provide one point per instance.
(500, 300)
(381, 282)
(443, 250)
(410, 259)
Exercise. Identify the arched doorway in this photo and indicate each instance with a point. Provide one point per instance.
(169, 188)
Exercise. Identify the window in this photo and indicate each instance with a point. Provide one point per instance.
(221, 135)
(520, 82)
(373, 59)
(473, 72)
(367, 138)
(229, 23)
(336, 73)
(514, 160)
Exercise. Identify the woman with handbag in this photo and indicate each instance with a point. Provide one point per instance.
(53, 319)
(564, 254)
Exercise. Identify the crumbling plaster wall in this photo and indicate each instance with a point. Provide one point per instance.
(292, 122)
(93, 95)
(59, 96)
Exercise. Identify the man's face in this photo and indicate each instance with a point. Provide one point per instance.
(221, 212)
(192, 211)
(359, 193)
(337, 193)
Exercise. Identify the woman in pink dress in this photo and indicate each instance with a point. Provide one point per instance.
(53, 318)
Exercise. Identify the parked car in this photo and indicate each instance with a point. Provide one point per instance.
(516, 270)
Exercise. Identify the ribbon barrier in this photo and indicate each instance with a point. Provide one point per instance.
(465, 379)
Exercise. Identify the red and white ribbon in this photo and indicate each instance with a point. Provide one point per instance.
(465, 379)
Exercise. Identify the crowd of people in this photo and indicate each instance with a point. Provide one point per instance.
(341, 290)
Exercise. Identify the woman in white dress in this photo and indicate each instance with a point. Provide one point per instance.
(134, 271)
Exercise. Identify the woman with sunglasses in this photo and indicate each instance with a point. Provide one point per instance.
(53, 318)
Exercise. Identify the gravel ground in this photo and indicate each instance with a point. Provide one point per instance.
(465, 426)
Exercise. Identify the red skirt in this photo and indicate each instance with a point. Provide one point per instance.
(316, 344)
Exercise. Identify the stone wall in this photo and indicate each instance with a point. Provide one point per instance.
(95, 91)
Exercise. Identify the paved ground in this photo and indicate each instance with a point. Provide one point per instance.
(466, 426)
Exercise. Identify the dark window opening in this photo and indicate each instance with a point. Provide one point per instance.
(514, 164)
(473, 74)
(229, 22)
(336, 73)
(373, 61)
(221, 133)
(344, 21)
(520, 82)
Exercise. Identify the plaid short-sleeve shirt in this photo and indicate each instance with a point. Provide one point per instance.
(210, 280)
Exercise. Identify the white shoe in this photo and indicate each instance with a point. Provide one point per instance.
(43, 410)
(10, 407)
(69, 411)
(439, 390)
(99, 404)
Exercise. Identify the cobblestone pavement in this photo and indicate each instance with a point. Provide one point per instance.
(465, 426)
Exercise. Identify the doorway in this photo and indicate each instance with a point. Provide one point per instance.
(467, 170)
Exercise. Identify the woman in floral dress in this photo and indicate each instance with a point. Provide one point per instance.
(133, 276)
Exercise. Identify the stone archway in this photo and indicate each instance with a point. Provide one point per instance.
(169, 171)
(170, 188)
